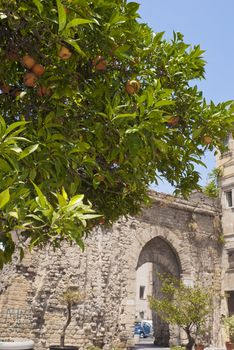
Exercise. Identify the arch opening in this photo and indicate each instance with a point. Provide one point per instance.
(158, 256)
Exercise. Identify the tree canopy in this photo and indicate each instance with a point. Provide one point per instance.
(95, 106)
(212, 188)
(185, 306)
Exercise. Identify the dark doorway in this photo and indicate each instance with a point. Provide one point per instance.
(230, 301)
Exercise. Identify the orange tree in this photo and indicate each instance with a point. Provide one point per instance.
(184, 306)
(94, 107)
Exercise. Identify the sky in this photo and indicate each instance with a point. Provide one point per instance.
(210, 24)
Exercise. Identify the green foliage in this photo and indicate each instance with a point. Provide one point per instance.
(187, 307)
(177, 347)
(72, 296)
(212, 188)
(107, 109)
(221, 239)
(229, 325)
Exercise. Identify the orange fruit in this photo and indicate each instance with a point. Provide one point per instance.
(28, 61)
(5, 88)
(38, 69)
(99, 63)
(42, 91)
(207, 139)
(132, 87)
(30, 79)
(64, 53)
(101, 221)
(173, 121)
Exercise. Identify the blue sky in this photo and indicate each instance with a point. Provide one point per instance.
(210, 24)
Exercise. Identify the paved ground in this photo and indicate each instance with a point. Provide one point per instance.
(142, 346)
(147, 344)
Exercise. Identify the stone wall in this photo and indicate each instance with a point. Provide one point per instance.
(173, 234)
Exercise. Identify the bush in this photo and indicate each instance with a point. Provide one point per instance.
(229, 325)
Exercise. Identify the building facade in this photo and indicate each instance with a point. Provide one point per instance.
(225, 163)
(144, 288)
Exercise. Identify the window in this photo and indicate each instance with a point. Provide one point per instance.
(230, 302)
(229, 202)
(231, 258)
(142, 292)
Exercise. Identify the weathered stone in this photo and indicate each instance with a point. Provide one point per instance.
(177, 236)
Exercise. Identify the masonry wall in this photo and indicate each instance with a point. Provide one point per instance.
(30, 300)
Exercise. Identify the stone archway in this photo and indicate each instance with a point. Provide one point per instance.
(168, 248)
(164, 259)
(142, 247)
(161, 252)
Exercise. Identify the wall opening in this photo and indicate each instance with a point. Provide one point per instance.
(230, 302)
(157, 256)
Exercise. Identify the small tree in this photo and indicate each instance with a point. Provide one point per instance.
(229, 325)
(212, 187)
(70, 297)
(182, 305)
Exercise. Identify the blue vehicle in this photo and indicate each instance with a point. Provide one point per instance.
(143, 329)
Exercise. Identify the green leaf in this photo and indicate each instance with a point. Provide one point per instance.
(14, 126)
(61, 200)
(4, 198)
(2, 126)
(14, 214)
(39, 5)
(78, 21)
(122, 52)
(76, 46)
(28, 150)
(49, 118)
(62, 17)
(78, 199)
(91, 216)
(64, 193)
(4, 166)
(15, 149)
(117, 18)
(197, 132)
(42, 199)
(164, 103)
(125, 116)
(161, 145)
(133, 7)
(122, 49)
(198, 161)
(36, 217)
(78, 240)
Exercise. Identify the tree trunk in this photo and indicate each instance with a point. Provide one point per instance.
(62, 337)
(191, 340)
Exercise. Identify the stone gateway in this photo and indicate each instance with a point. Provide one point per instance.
(177, 236)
